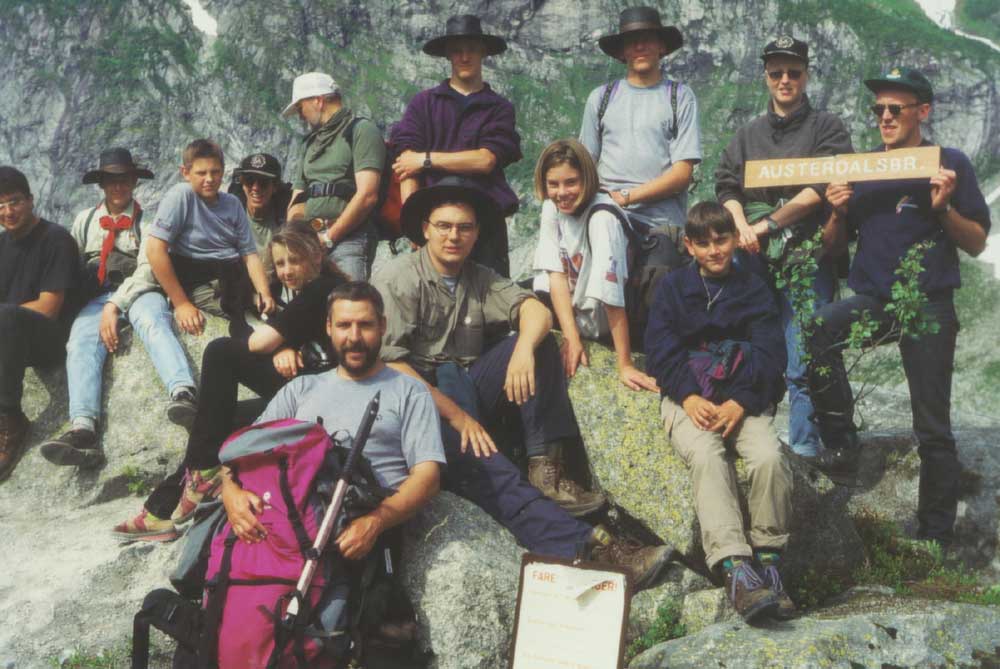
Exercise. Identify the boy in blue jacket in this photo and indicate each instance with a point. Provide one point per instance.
(715, 346)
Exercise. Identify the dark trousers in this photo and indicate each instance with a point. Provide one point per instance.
(928, 362)
(225, 364)
(495, 484)
(27, 339)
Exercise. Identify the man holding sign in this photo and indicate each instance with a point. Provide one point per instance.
(777, 217)
(889, 217)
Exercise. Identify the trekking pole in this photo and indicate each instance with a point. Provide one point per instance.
(326, 528)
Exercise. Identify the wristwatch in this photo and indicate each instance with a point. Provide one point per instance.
(772, 225)
(427, 160)
(627, 194)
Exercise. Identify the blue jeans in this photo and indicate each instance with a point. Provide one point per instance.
(85, 352)
(355, 254)
(803, 435)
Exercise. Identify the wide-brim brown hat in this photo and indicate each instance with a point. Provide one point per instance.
(116, 161)
(639, 19)
(419, 205)
(464, 25)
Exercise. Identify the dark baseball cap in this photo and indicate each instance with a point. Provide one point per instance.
(786, 45)
(263, 164)
(906, 78)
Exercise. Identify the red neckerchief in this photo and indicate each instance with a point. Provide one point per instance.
(109, 224)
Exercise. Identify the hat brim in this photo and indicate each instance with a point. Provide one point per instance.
(419, 205)
(439, 45)
(784, 52)
(94, 176)
(878, 85)
(270, 175)
(613, 45)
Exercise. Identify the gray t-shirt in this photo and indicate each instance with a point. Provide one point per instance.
(195, 229)
(406, 432)
(637, 146)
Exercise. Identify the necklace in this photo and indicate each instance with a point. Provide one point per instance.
(708, 294)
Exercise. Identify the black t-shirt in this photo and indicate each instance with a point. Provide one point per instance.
(45, 260)
(303, 320)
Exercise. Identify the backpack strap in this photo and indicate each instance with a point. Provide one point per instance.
(631, 234)
(135, 224)
(86, 226)
(305, 545)
(209, 651)
(673, 106)
(609, 90)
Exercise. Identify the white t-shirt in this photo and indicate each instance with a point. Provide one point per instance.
(596, 271)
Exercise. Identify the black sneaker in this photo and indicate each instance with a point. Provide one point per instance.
(182, 408)
(76, 448)
(841, 462)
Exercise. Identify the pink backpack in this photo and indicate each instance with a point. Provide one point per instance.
(289, 464)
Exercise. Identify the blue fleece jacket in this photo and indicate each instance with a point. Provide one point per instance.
(745, 311)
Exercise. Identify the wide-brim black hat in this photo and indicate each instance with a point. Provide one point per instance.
(638, 19)
(116, 161)
(464, 25)
(419, 205)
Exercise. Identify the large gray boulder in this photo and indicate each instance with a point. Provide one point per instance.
(867, 631)
(634, 463)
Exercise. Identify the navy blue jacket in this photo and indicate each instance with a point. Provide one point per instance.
(745, 311)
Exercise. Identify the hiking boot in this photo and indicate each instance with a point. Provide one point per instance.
(145, 527)
(841, 462)
(182, 408)
(546, 472)
(13, 433)
(196, 489)
(76, 448)
(646, 565)
(748, 594)
(772, 579)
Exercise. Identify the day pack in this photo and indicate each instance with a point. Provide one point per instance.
(293, 466)
(652, 253)
(386, 214)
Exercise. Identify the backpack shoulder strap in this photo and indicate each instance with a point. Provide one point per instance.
(609, 90)
(349, 138)
(622, 217)
(86, 225)
(673, 106)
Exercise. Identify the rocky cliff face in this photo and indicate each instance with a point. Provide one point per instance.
(81, 76)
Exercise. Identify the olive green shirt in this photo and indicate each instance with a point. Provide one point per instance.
(328, 158)
(263, 228)
(428, 325)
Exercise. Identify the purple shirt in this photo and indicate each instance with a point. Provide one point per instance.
(442, 119)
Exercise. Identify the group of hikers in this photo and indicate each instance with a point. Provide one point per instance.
(458, 350)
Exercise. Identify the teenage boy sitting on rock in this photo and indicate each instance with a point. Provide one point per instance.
(714, 344)
(108, 236)
(199, 236)
(38, 274)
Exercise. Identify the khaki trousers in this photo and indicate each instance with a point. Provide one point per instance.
(713, 479)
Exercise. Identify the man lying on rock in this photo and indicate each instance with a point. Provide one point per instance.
(714, 343)
(109, 236)
(38, 279)
(889, 217)
(449, 323)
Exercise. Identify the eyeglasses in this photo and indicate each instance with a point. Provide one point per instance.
(444, 229)
(894, 110)
(776, 75)
(12, 204)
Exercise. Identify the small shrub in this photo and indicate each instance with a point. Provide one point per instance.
(666, 626)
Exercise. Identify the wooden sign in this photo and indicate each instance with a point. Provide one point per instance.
(915, 163)
(569, 615)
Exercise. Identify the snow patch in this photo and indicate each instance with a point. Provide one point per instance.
(942, 12)
(203, 21)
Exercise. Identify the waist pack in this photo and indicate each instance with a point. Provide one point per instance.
(716, 364)
(293, 466)
(652, 253)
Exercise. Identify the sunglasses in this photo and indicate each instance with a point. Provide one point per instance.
(894, 110)
(776, 75)
(250, 181)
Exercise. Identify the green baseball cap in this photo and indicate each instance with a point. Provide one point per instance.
(906, 78)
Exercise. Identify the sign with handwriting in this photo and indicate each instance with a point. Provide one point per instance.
(569, 616)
